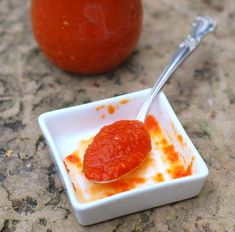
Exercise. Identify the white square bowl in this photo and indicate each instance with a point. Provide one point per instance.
(61, 128)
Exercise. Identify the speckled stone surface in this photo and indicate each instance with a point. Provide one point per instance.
(202, 93)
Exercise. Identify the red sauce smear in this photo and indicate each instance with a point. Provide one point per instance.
(98, 108)
(74, 158)
(116, 150)
(119, 185)
(111, 109)
(180, 139)
(124, 101)
(171, 153)
(158, 177)
(151, 124)
(179, 171)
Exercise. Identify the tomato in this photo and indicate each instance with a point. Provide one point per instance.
(87, 36)
(116, 150)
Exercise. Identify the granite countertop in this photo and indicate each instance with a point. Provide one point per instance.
(202, 93)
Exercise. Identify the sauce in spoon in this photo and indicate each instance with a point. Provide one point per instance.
(116, 150)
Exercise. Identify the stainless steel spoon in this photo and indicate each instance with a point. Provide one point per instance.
(201, 27)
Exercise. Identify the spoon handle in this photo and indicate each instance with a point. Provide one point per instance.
(201, 27)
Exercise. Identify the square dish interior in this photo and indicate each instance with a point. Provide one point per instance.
(71, 130)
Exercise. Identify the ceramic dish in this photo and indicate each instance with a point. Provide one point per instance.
(63, 129)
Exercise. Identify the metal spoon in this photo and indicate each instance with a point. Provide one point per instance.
(201, 27)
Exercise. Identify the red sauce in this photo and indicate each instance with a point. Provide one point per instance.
(74, 158)
(98, 108)
(171, 153)
(179, 171)
(164, 142)
(119, 185)
(158, 177)
(111, 109)
(92, 168)
(124, 101)
(178, 136)
(116, 150)
(151, 124)
(180, 139)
